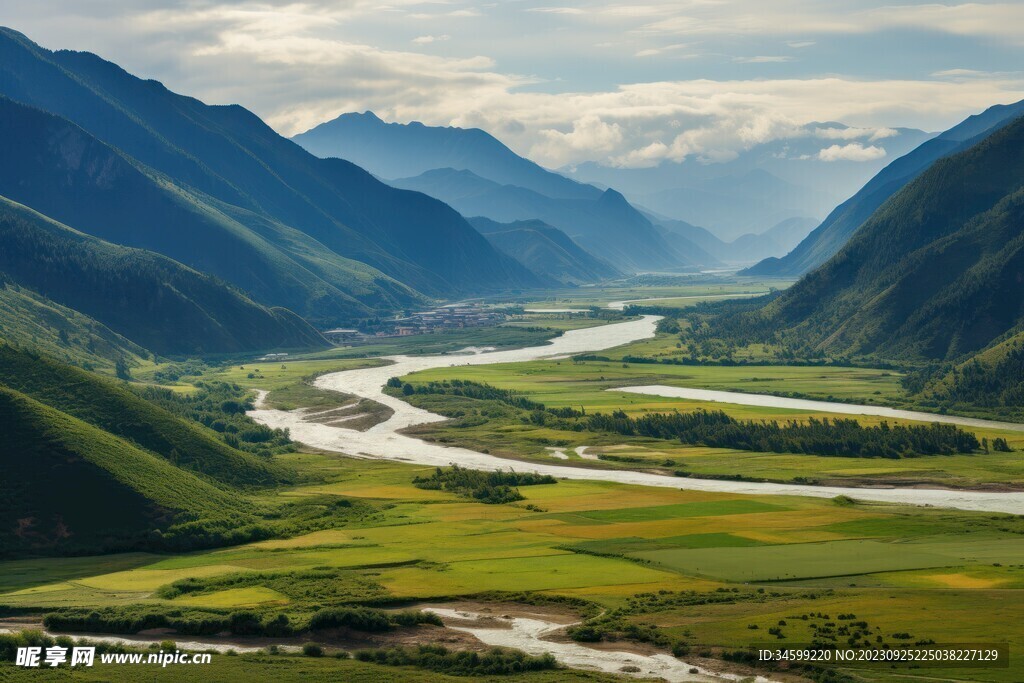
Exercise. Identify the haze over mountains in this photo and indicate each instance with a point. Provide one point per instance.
(479, 176)
(846, 218)
(804, 174)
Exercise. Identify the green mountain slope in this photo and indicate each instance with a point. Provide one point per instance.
(110, 406)
(992, 379)
(834, 232)
(228, 154)
(65, 173)
(57, 469)
(935, 273)
(33, 321)
(150, 299)
(544, 249)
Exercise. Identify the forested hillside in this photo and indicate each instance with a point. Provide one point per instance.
(314, 212)
(544, 249)
(829, 237)
(150, 299)
(115, 408)
(56, 470)
(31, 320)
(935, 273)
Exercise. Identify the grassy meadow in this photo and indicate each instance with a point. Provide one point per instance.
(591, 385)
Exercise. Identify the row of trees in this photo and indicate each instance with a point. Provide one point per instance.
(837, 437)
(842, 437)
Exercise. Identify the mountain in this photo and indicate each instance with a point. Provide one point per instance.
(327, 222)
(837, 228)
(544, 249)
(57, 467)
(776, 241)
(805, 173)
(394, 150)
(700, 242)
(29, 319)
(479, 176)
(934, 273)
(608, 227)
(155, 302)
(749, 248)
(110, 406)
(65, 173)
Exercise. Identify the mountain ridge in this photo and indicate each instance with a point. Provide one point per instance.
(829, 237)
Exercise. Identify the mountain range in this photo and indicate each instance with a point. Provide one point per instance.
(802, 174)
(829, 237)
(545, 249)
(321, 236)
(479, 176)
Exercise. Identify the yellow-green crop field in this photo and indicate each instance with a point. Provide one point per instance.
(940, 575)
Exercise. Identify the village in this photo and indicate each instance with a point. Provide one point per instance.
(449, 317)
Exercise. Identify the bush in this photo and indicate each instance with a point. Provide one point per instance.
(493, 662)
(312, 650)
(486, 487)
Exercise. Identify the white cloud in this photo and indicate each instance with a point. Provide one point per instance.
(297, 64)
(556, 10)
(851, 152)
(853, 133)
(764, 59)
(588, 134)
(655, 51)
(426, 40)
(755, 17)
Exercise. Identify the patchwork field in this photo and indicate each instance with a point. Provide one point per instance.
(601, 542)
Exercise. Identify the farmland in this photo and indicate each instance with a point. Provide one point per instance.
(598, 542)
(590, 386)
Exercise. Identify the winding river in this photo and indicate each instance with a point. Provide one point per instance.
(384, 441)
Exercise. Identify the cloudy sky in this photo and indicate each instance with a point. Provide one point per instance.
(627, 84)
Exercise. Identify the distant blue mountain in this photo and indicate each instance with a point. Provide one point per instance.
(608, 226)
(837, 229)
(479, 176)
(395, 150)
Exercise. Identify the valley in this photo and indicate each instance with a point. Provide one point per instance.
(506, 382)
(644, 560)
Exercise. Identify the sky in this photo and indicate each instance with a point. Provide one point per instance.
(624, 84)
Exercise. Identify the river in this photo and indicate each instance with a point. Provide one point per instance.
(532, 636)
(384, 441)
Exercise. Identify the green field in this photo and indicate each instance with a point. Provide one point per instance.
(591, 385)
(659, 569)
(667, 288)
(595, 541)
